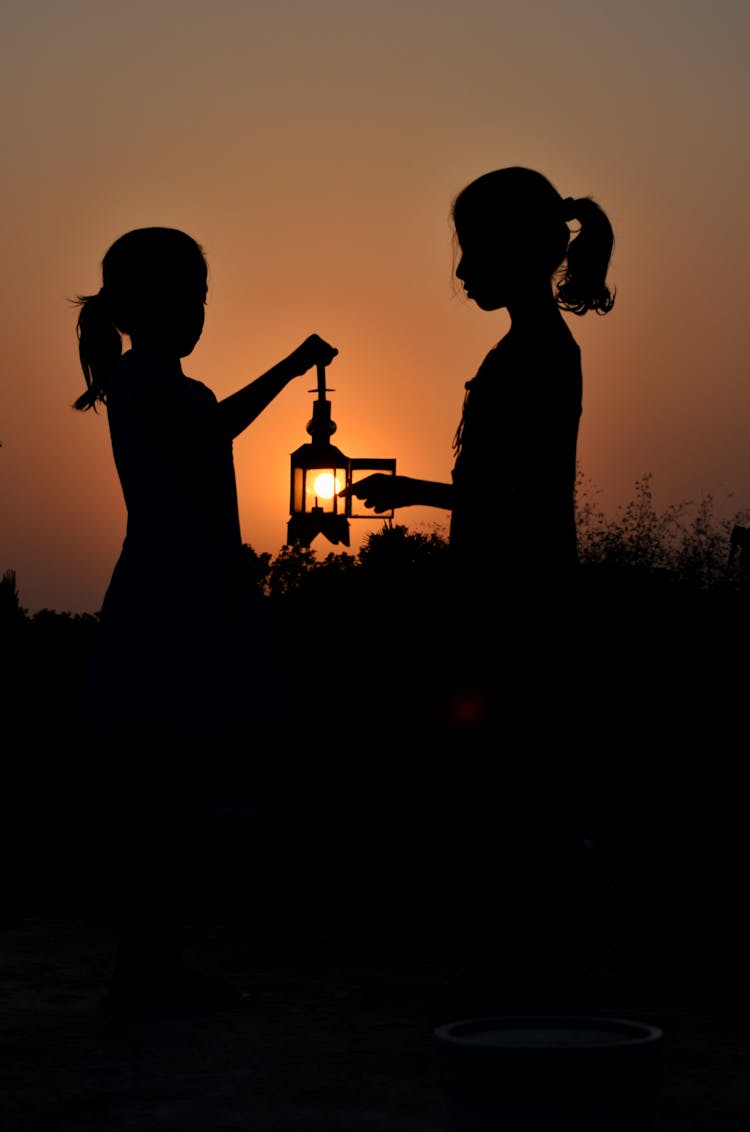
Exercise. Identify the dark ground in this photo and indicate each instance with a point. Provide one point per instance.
(345, 939)
(338, 918)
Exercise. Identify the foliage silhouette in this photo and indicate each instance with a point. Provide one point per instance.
(664, 616)
(686, 547)
(687, 539)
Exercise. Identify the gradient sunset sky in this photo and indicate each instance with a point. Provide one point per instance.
(314, 147)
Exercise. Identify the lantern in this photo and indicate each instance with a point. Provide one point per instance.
(319, 471)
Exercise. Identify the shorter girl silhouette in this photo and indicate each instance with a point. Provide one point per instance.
(513, 677)
(183, 663)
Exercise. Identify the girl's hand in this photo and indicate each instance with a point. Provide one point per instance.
(382, 492)
(314, 351)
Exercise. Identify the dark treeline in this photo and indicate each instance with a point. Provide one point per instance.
(666, 605)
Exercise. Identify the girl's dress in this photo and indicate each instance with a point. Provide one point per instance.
(513, 552)
(183, 647)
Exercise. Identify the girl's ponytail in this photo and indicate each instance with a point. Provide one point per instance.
(99, 348)
(583, 285)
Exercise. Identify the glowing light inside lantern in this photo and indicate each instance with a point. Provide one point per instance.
(326, 485)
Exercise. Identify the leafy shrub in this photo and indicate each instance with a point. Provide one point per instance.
(687, 540)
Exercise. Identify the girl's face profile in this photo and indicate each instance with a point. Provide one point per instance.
(188, 317)
(175, 315)
(497, 266)
(483, 272)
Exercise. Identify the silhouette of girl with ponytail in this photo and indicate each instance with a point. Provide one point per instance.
(512, 679)
(183, 663)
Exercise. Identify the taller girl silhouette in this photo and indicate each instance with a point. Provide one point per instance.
(513, 681)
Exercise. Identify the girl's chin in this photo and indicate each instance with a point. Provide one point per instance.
(486, 303)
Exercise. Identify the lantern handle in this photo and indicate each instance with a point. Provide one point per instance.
(321, 389)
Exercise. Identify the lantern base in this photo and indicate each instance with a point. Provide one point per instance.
(302, 529)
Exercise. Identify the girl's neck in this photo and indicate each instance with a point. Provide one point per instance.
(167, 360)
(534, 308)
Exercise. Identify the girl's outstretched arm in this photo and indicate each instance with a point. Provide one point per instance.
(382, 492)
(240, 409)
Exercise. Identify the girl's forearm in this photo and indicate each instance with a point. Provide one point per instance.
(240, 409)
(438, 495)
(385, 492)
(430, 493)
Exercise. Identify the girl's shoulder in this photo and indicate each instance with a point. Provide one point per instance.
(197, 392)
(134, 371)
(138, 376)
(507, 358)
(525, 364)
(546, 354)
(495, 360)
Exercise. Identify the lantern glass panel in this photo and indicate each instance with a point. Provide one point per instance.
(298, 489)
(322, 486)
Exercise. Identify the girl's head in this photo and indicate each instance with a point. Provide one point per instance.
(512, 228)
(154, 290)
